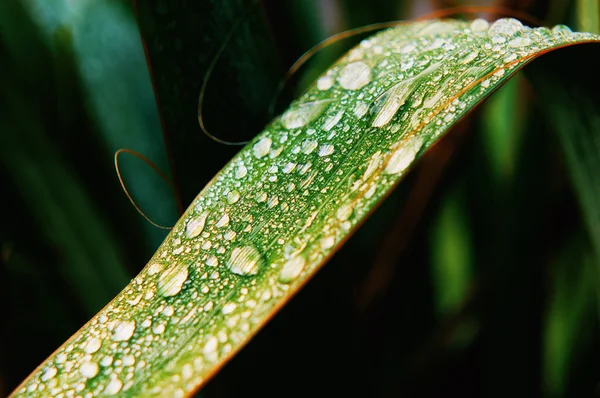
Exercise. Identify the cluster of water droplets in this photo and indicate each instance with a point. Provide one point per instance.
(279, 208)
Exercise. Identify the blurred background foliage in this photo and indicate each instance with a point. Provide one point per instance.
(475, 278)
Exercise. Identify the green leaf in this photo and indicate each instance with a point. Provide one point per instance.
(280, 208)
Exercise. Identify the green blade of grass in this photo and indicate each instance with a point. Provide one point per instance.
(279, 209)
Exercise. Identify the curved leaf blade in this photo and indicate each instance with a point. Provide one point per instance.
(279, 209)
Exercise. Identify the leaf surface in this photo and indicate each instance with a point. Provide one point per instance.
(280, 208)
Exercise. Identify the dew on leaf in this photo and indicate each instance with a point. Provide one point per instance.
(355, 75)
(172, 279)
(245, 260)
(123, 330)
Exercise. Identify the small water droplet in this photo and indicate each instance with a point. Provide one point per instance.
(245, 260)
(262, 147)
(123, 331)
(331, 121)
(299, 115)
(128, 360)
(171, 280)
(241, 171)
(233, 197)
(327, 242)
(326, 150)
(195, 226)
(88, 369)
(560, 28)
(479, 25)
(49, 373)
(355, 75)
(308, 146)
(292, 269)
(288, 168)
(223, 221)
(92, 345)
(228, 308)
(113, 387)
(325, 82)
(159, 329)
(211, 345)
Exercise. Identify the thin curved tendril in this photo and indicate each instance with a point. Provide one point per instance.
(209, 71)
(153, 166)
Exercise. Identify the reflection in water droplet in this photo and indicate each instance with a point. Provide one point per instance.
(171, 280)
(123, 331)
(245, 260)
(355, 76)
(403, 156)
(195, 226)
(560, 28)
(291, 269)
(300, 115)
(49, 373)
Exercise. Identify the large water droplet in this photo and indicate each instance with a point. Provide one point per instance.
(172, 279)
(355, 75)
(300, 115)
(49, 373)
(195, 226)
(123, 331)
(403, 156)
(245, 260)
(223, 221)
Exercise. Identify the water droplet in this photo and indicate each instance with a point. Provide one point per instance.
(212, 261)
(228, 308)
(154, 268)
(113, 387)
(479, 25)
(195, 226)
(308, 146)
(49, 373)
(123, 331)
(560, 28)
(171, 280)
(223, 221)
(387, 104)
(403, 156)
(344, 212)
(262, 147)
(331, 121)
(355, 75)
(106, 361)
(261, 197)
(505, 26)
(300, 115)
(245, 260)
(92, 345)
(128, 360)
(288, 168)
(88, 369)
(326, 150)
(327, 242)
(292, 269)
(233, 197)
(230, 235)
(372, 165)
(211, 345)
(241, 171)
(325, 82)
(159, 329)
(187, 371)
